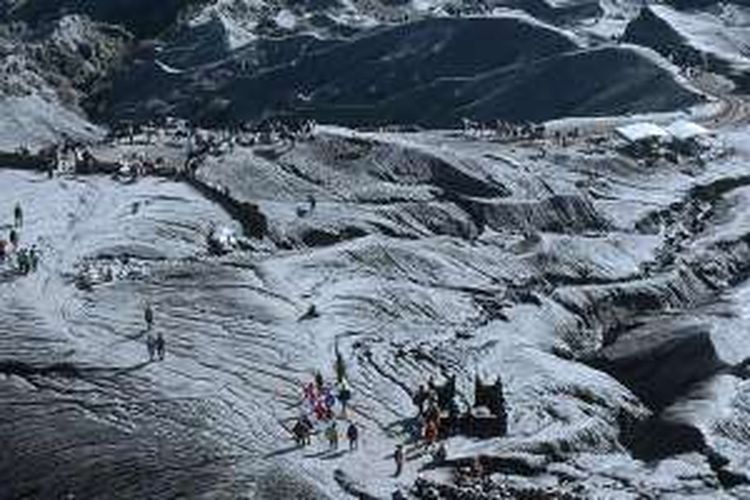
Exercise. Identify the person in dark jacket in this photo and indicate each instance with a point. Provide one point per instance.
(160, 347)
(18, 215)
(352, 434)
(419, 399)
(398, 457)
(148, 316)
(151, 347)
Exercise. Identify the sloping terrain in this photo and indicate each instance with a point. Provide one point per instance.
(609, 293)
(144, 17)
(715, 40)
(44, 76)
(427, 73)
(625, 346)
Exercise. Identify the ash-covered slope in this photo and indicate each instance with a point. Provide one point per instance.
(715, 39)
(425, 254)
(428, 73)
(45, 75)
(362, 64)
(610, 294)
(574, 84)
(143, 17)
(699, 4)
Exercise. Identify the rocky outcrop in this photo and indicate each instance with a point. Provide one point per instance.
(706, 39)
(660, 362)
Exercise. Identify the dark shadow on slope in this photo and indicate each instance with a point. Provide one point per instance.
(661, 363)
(283, 451)
(144, 17)
(339, 80)
(526, 85)
(64, 370)
(430, 73)
(316, 237)
(517, 466)
(393, 60)
(650, 30)
(657, 439)
(334, 455)
(660, 367)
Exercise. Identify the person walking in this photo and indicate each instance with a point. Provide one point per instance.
(308, 429)
(18, 215)
(151, 346)
(33, 258)
(310, 395)
(320, 410)
(332, 433)
(160, 347)
(398, 457)
(344, 395)
(302, 432)
(148, 316)
(311, 200)
(339, 367)
(431, 432)
(419, 399)
(329, 399)
(352, 434)
(23, 261)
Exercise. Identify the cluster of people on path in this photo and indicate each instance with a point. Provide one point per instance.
(564, 138)
(274, 130)
(434, 403)
(67, 156)
(201, 143)
(155, 345)
(320, 400)
(504, 130)
(509, 131)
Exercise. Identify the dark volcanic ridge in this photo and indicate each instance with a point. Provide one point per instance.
(428, 73)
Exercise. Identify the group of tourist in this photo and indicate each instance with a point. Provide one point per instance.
(504, 130)
(320, 402)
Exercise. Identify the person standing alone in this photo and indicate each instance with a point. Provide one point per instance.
(148, 316)
(160, 346)
(352, 433)
(399, 457)
(18, 215)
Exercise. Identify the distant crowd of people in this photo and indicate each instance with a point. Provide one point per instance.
(504, 130)
(201, 143)
(501, 130)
